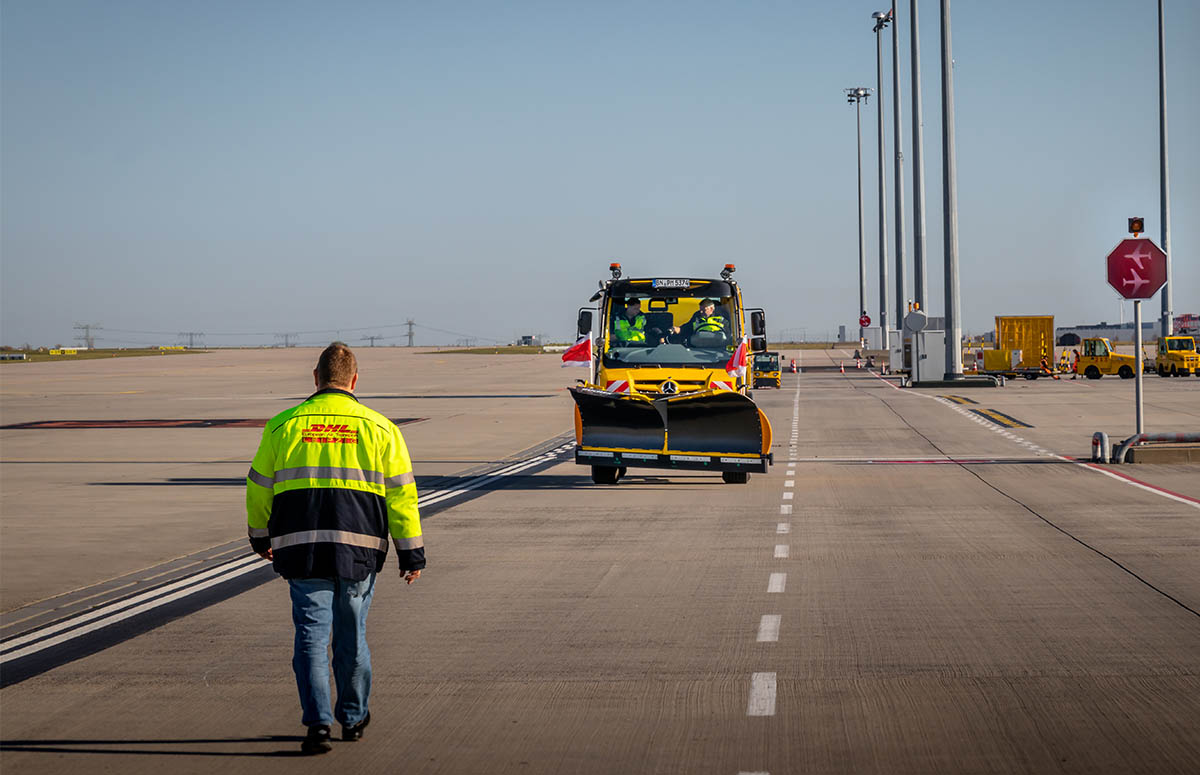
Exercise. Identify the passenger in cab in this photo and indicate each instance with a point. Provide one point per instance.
(630, 326)
(706, 320)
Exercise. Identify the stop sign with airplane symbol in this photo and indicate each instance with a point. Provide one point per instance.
(1137, 268)
(865, 320)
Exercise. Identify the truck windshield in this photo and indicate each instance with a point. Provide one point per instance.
(645, 329)
(766, 362)
(1185, 345)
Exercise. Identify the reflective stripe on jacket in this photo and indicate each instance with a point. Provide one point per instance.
(631, 332)
(331, 483)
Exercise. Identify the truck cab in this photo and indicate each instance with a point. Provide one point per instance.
(766, 370)
(1097, 358)
(1176, 357)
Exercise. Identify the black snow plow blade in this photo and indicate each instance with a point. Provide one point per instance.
(711, 430)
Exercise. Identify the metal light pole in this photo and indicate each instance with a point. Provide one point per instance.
(881, 21)
(898, 145)
(950, 206)
(858, 95)
(1164, 183)
(920, 291)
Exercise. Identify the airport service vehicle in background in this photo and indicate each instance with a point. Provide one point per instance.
(766, 371)
(678, 399)
(1023, 344)
(1177, 357)
(1097, 358)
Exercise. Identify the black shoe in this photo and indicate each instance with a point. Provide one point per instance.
(317, 740)
(355, 732)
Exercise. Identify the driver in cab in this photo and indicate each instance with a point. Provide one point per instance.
(705, 320)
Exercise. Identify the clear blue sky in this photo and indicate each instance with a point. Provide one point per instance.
(309, 166)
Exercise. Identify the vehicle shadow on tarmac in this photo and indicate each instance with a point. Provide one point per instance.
(428, 484)
(123, 748)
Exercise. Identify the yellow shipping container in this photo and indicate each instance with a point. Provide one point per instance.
(1033, 335)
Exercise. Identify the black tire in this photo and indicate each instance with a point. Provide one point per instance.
(735, 477)
(605, 474)
(1162, 371)
(1125, 372)
(1174, 371)
(1091, 372)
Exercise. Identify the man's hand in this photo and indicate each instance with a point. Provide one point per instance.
(267, 555)
(410, 576)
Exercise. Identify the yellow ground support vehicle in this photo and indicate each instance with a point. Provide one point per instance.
(669, 389)
(1097, 358)
(1177, 357)
(765, 371)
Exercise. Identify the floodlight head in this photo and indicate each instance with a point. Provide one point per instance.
(878, 15)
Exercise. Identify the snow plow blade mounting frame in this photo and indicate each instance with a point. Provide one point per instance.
(707, 431)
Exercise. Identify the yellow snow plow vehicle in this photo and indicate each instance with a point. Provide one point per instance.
(765, 371)
(668, 384)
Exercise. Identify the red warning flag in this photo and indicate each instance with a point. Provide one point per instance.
(580, 353)
(736, 366)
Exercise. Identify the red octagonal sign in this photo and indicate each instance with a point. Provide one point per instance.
(1137, 268)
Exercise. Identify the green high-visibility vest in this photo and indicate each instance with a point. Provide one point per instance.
(714, 323)
(634, 331)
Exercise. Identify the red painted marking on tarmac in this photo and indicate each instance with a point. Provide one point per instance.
(119, 424)
(1134, 480)
(884, 381)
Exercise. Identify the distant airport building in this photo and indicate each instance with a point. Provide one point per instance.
(1116, 332)
(532, 340)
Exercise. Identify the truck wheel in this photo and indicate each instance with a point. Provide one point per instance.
(1091, 372)
(605, 474)
(735, 477)
(1162, 371)
(1125, 372)
(1174, 371)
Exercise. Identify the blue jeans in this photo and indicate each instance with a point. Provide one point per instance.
(340, 605)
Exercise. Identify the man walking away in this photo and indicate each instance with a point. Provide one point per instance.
(331, 482)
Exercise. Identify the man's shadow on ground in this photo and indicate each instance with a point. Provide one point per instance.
(123, 747)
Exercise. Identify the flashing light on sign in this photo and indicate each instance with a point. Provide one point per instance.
(1137, 226)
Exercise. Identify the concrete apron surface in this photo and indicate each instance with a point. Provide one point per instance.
(922, 593)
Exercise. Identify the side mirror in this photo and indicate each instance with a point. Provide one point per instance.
(758, 323)
(758, 344)
(585, 322)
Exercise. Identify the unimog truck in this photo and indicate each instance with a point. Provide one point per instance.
(669, 385)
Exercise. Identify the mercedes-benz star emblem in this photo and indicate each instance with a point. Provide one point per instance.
(670, 388)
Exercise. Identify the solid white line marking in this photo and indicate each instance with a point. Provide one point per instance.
(124, 609)
(787, 496)
(782, 551)
(117, 618)
(762, 695)
(785, 508)
(768, 628)
(777, 583)
(783, 527)
(232, 568)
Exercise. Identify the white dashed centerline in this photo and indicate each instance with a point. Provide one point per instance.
(777, 583)
(762, 695)
(768, 628)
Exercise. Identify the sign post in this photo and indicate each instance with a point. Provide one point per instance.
(1137, 268)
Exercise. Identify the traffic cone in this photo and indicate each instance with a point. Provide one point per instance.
(843, 367)
(857, 363)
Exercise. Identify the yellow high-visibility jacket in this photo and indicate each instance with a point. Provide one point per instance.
(331, 483)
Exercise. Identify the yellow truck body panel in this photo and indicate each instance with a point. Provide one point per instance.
(1033, 335)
